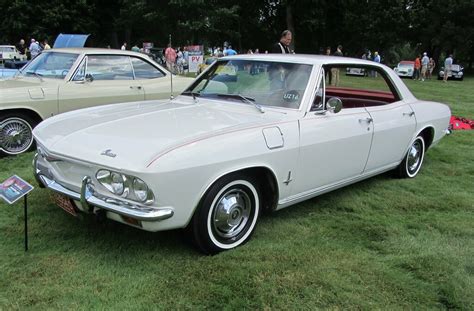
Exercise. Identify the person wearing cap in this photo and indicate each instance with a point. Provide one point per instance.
(34, 48)
(424, 66)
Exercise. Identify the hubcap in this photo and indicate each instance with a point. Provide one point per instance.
(414, 156)
(231, 213)
(15, 136)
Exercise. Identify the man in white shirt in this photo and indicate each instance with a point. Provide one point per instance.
(124, 46)
(448, 62)
(424, 66)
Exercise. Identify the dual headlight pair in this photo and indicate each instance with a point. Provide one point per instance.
(126, 186)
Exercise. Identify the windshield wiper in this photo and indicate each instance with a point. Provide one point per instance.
(38, 75)
(193, 94)
(246, 99)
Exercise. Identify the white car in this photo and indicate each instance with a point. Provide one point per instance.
(405, 68)
(235, 143)
(10, 52)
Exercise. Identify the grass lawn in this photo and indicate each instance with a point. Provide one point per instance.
(383, 243)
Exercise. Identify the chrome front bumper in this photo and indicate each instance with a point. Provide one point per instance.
(90, 198)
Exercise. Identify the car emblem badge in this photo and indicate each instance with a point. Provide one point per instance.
(108, 153)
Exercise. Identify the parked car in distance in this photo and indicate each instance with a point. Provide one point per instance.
(235, 143)
(405, 68)
(60, 80)
(456, 73)
(10, 52)
(355, 72)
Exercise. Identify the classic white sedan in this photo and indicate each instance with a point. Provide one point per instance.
(60, 80)
(252, 133)
(10, 52)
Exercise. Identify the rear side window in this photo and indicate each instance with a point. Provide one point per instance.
(109, 67)
(359, 86)
(144, 70)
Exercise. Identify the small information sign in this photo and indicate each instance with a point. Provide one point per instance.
(14, 188)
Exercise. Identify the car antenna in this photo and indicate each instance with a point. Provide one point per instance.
(171, 70)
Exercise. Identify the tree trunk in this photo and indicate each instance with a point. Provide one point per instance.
(290, 24)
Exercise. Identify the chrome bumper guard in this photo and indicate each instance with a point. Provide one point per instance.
(90, 198)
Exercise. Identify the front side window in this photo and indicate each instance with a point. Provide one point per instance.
(144, 70)
(265, 83)
(53, 65)
(109, 67)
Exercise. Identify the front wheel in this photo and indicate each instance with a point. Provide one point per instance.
(16, 134)
(411, 164)
(227, 214)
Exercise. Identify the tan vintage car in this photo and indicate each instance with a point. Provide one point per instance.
(61, 80)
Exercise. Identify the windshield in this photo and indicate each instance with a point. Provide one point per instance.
(455, 67)
(50, 65)
(405, 66)
(264, 83)
(7, 49)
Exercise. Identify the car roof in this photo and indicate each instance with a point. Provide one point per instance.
(312, 59)
(95, 51)
(7, 46)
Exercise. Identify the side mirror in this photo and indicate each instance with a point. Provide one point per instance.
(334, 104)
(89, 78)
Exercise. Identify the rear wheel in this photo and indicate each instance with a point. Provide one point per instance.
(413, 160)
(16, 134)
(227, 214)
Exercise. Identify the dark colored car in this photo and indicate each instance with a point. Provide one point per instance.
(457, 72)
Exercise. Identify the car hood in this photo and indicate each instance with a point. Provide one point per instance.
(129, 136)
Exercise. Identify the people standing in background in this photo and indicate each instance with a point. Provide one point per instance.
(180, 60)
(135, 48)
(124, 46)
(416, 73)
(424, 66)
(170, 56)
(46, 46)
(335, 71)
(21, 47)
(431, 67)
(230, 51)
(283, 46)
(34, 48)
(328, 51)
(448, 63)
(377, 60)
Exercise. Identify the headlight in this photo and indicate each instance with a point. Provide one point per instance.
(126, 186)
(117, 183)
(140, 189)
(112, 181)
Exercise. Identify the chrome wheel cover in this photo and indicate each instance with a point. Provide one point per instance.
(231, 214)
(414, 157)
(15, 135)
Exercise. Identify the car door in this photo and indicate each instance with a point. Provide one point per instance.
(154, 82)
(394, 125)
(333, 146)
(100, 80)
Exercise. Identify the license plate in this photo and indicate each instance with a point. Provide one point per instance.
(65, 203)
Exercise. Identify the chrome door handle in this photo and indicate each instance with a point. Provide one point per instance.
(367, 120)
(410, 114)
(135, 87)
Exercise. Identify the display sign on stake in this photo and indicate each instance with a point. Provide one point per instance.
(13, 189)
